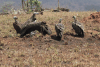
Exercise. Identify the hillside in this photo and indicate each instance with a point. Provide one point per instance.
(47, 51)
(73, 5)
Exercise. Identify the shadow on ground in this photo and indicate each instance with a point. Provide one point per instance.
(55, 37)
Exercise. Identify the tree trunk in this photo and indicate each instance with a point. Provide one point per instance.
(27, 6)
(58, 5)
(31, 4)
(18, 27)
(22, 4)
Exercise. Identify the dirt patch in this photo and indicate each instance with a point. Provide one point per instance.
(48, 51)
(94, 17)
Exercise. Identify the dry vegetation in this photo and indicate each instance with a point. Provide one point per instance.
(45, 51)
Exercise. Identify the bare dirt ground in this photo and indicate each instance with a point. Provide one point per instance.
(47, 51)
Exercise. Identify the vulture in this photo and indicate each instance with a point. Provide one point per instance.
(18, 26)
(59, 29)
(31, 25)
(78, 27)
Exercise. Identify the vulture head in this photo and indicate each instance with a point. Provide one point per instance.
(15, 18)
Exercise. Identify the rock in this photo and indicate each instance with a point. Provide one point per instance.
(66, 43)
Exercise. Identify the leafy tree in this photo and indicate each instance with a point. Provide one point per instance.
(36, 4)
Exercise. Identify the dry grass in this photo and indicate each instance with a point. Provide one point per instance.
(20, 52)
(51, 18)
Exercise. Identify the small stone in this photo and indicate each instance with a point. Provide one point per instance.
(66, 43)
(1, 44)
(1, 48)
(96, 56)
(5, 37)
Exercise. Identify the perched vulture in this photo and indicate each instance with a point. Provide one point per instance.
(31, 25)
(18, 26)
(59, 29)
(78, 27)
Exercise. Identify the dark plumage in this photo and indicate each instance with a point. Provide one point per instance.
(59, 29)
(16, 25)
(31, 25)
(78, 27)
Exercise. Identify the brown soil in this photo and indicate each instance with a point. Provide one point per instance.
(47, 51)
(94, 17)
